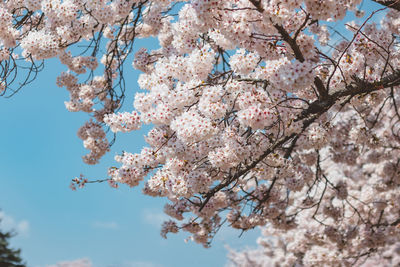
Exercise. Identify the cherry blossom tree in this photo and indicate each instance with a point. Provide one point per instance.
(264, 112)
(281, 251)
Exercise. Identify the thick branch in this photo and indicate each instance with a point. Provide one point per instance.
(391, 4)
(257, 4)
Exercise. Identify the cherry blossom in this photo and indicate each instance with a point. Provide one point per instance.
(277, 114)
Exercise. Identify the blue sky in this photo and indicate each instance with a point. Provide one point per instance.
(40, 153)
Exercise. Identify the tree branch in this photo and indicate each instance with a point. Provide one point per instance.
(391, 4)
(323, 93)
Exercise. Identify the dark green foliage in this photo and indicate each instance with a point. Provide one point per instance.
(9, 257)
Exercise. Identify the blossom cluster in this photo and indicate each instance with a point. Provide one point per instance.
(94, 139)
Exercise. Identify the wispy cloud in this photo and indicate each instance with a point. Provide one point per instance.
(141, 264)
(106, 225)
(9, 223)
(154, 217)
(73, 263)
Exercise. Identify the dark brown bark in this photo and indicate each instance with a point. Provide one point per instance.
(391, 4)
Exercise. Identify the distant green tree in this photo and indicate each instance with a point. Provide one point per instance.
(9, 257)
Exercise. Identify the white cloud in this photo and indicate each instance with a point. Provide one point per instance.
(88, 263)
(9, 223)
(106, 225)
(74, 263)
(154, 217)
(141, 264)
